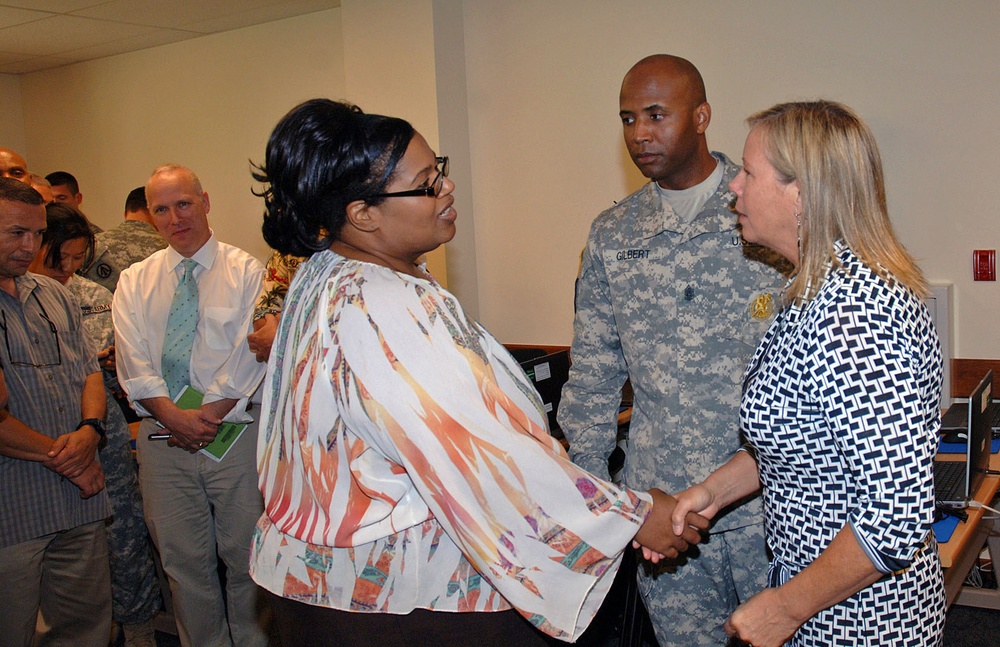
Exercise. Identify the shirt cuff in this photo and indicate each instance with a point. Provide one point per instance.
(882, 562)
(750, 449)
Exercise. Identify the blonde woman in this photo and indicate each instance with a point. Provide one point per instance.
(840, 402)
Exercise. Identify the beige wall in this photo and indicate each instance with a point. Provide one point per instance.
(523, 95)
(453, 135)
(208, 103)
(389, 67)
(546, 146)
(12, 122)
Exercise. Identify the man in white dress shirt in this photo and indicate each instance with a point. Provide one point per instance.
(195, 506)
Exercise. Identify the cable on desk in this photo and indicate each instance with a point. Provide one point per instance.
(977, 504)
(941, 511)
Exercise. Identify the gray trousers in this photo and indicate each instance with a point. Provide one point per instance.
(66, 576)
(197, 509)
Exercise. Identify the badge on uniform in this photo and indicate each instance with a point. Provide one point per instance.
(762, 306)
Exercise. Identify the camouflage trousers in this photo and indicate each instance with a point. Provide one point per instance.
(135, 591)
(689, 604)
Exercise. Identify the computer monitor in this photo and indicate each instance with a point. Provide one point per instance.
(549, 373)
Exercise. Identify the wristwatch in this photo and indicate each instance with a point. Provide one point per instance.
(96, 423)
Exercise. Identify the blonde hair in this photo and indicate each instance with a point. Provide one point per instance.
(832, 155)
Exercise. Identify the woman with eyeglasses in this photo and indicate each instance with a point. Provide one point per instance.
(67, 244)
(412, 492)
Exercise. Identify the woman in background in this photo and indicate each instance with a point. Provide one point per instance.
(412, 492)
(67, 244)
(840, 402)
(278, 275)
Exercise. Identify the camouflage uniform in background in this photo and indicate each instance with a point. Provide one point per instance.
(116, 249)
(679, 308)
(278, 275)
(135, 590)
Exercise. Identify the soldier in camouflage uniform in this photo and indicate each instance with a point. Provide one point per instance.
(134, 586)
(125, 244)
(670, 296)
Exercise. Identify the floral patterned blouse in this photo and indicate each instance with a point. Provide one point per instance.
(278, 274)
(405, 463)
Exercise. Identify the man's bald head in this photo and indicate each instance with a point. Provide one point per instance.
(680, 70)
(12, 165)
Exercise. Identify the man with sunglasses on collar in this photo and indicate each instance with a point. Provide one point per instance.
(53, 547)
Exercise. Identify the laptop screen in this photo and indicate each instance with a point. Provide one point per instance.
(980, 433)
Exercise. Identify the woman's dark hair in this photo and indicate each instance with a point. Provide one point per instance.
(62, 224)
(322, 156)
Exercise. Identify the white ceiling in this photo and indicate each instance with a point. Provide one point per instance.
(41, 34)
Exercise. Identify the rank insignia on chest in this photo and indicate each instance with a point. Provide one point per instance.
(762, 306)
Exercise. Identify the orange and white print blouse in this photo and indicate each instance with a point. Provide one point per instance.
(405, 463)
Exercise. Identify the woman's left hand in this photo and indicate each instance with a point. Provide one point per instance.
(763, 621)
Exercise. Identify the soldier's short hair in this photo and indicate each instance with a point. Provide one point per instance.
(63, 178)
(136, 200)
(17, 191)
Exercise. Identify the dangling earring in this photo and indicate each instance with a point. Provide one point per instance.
(798, 225)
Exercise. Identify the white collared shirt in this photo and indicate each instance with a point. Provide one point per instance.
(222, 365)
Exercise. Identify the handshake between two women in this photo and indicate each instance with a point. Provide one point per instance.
(659, 538)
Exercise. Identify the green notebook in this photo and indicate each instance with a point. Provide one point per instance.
(229, 432)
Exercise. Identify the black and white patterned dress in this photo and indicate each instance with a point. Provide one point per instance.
(841, 404)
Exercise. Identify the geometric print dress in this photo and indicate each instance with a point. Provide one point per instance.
(840, 406)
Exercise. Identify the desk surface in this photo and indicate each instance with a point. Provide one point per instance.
(956, 545)
(965, 530)
(960, 553)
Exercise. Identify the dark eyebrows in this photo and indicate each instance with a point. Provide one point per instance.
(646, 109)
(17, 229)
(425, 172)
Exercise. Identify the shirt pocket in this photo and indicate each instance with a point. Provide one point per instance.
(222, 327)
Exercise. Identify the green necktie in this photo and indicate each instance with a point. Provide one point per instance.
(181, 325)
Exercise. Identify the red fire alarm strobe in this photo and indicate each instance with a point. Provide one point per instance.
(984, 265)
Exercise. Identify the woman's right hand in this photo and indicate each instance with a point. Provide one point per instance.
(736, 479)
(657, 536)
(697, 498)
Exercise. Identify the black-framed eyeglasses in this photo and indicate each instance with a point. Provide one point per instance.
(431, 191)
(52, 329)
